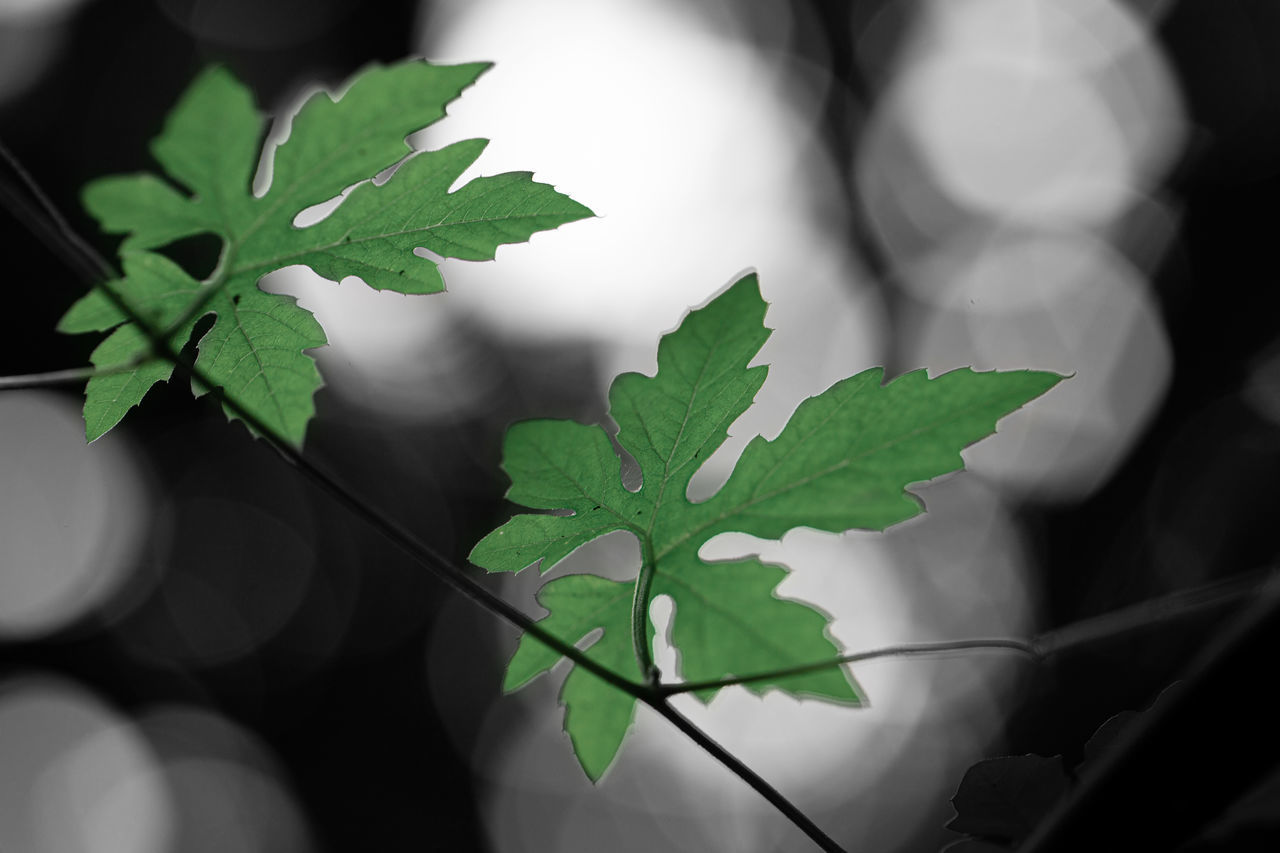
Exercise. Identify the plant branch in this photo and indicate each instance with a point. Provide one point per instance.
(905, 650)
(1182, 763)
(52, 228)
(70, 376)
(745, 773)
(53, 225)
(1144, 615)
(48, 223)
(1151, 613)
(426, 556)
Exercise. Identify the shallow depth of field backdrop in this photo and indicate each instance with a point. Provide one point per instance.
(199, 652)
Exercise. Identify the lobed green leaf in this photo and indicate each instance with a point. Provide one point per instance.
(843, 461)
(163, 290)
(579, 605)
(846, 455)
(255, 350)
(210, 146)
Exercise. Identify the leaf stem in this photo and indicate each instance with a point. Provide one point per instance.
(640, 616)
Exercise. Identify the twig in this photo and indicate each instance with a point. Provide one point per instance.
(906, 650)
(1109, 626)
(70, 376)
(53, 228)
(1186, 759)
(426, 556)
(746, 774)
(61, 231)
(1150, 613)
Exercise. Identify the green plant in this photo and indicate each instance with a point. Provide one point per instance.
(843, 461)
(210, 145)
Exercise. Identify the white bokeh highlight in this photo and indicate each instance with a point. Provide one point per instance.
(72, 515)
(226, 790)
(76, 776)
(1062, 302)
(698, 158)
(1041, 111)
(1011, 168)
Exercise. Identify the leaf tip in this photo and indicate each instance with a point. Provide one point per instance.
(741, 297)
(1043, 380)
(469, 72)
(95, 427)
(594, 760)
(511, 682)
(747, 279)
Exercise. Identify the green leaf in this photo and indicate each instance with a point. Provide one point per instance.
(210, 146)
(255, 349)
(163, 290)
(844, 457)
(579, 605)
(843, 461)
(154, 212)
(730, 622)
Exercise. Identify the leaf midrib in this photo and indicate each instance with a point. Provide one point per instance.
(279, 261)
(238, 328)
(684, 423)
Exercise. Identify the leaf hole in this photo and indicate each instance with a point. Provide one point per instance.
(588, 640)
(309, 216)
(628, 468)
(731, 545)
(665, 655)
(615, 556)
(428, 255)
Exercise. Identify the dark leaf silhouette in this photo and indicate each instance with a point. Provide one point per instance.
(1004, 798)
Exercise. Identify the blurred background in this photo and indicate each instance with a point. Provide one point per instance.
(199, 651)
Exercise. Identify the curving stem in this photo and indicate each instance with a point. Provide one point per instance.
(640, 616)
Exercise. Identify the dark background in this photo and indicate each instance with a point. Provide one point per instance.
(353, 724)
